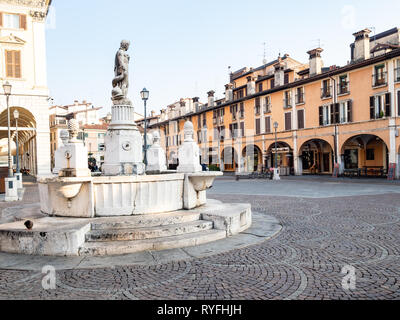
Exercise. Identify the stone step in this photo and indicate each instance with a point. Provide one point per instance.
(148, 233)
(145, 221)
(164, 243)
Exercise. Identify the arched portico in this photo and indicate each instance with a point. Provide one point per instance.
(230, 159)
(365, 153)
(252, 158)
(317, 157)
(283, 153)
(26, 138)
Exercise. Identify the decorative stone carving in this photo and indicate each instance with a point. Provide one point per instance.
(189, 152)
(38, 15)
(120, 82)
(156, 159)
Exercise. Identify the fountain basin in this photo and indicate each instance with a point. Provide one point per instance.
(203, 180)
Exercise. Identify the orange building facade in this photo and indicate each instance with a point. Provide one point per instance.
(345, 116)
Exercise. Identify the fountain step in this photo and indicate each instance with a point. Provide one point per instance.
(144, 221)
(163, 243)
(149, 232)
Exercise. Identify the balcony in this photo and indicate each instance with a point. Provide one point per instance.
(397, 74)
(343, 88)
(287, 103)
(326, 92)
(300, 98)
(379, 79)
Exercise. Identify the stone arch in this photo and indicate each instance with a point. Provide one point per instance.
(252, 158)
(367, 153)
(317, 157)
(283, 156)
(229, 158)
(26, 137)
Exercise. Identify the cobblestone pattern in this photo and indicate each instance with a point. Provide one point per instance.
(304, 261)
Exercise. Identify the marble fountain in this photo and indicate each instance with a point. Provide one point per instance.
(130, 207)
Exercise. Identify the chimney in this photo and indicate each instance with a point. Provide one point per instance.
(361, 47)
(315, 61)
(211, 98)
(183, 106)
(76, 102)
(196, 104)
(279, 72)
(153, 113)
(251, 85)
(229, 92)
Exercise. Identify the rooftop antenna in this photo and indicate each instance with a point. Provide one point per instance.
(320, 45)
(265, 54)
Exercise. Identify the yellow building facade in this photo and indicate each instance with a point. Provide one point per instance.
(345, 116)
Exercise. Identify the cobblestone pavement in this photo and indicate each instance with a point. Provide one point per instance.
(320, 237)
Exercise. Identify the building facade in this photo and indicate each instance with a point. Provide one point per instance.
(93, 129)
(23, 65)
(346, 116)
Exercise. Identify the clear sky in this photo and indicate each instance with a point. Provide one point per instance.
(182, 48)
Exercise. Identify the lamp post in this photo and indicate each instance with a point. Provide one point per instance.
(276, 171)
(7, 91)
(16, 117)
(145, 96)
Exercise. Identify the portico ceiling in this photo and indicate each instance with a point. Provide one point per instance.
(26, 124)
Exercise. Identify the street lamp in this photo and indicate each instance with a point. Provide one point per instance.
(7, 91)
(276, 172)
(16, 117)
(145, 96)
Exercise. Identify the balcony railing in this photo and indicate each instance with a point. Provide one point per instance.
(343, 88)
(299, 98)
(397, 74)
(287, 103)
(326, 92)
(379, 79)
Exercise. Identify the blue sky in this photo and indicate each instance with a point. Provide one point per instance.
(182, 48)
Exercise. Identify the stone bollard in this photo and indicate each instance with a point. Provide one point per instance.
(156, 160)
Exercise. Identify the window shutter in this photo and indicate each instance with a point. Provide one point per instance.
(388, 109)
(258, 126)
(372, 108)
(9, 64)
(337, 113)
(288, 121)
(272, 83)
(242, 129)
(17, 64)
(286, 78)
(332, 109)
(349, 111)
(230, 131)
(300, 119)
(321, 116)
(268, 124)
(398, 103)
(22, 21)
(1, 19)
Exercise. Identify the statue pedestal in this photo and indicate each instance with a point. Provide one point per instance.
(124, 144)
(156, 160)
(74, 162)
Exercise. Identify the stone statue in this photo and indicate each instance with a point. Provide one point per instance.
(121, 81)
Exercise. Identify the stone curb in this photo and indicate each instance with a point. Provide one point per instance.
(264, 228)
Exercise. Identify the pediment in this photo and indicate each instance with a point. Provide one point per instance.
(12, 39)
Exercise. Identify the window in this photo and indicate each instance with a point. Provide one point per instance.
(242, 129)
(343, 86)
(300, 95)
(258, 126)
(286, 78)
(324, 115)
(370, 154)
(379, 77)
(346, 112)
(398, 103)
(287, 103)
(102, 147)
(13, 21)
(13, 64)
(257, 106)
(260, 87)
(242, 110)
(300, 119)
(326, 89)
(267, 105)
(397, 71)
(267, 124)
(288, 121)
(380, 106)
(272, 83)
